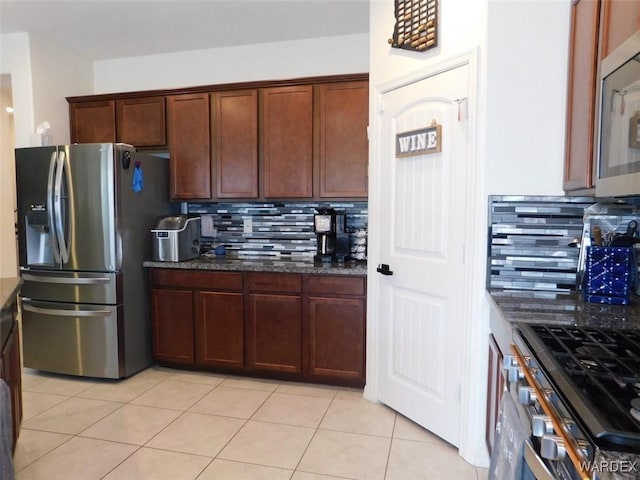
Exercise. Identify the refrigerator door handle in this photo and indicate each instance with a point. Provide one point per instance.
(51, 210)
(57, 205)
(66, 280)
(65, 313)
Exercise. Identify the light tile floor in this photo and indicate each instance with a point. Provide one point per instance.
(176, 425)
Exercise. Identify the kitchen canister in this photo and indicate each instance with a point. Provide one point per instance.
(610, 275)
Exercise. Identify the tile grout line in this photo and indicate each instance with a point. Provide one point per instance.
(144, 444)
(246, 420)
(393, 431)
(183, 410)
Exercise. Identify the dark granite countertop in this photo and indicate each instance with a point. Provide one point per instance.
(9, 288)
(253, 264)
(524, 306)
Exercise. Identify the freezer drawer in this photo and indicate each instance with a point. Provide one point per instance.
(73, 339)
(71, 287)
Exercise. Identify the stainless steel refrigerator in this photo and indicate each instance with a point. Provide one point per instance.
(83, 233)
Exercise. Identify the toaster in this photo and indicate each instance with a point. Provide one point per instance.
(176, 238)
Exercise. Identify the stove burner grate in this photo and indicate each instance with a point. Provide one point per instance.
(598, 372)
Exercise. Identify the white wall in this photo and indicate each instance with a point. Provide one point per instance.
(267, 61)
(42, 75)
(8, 257)
(527, 64)
(57, 74)
(521, 58)
(15, 59)
(14, 63)
(460, 27)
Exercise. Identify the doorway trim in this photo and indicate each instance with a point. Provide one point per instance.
(472, 348)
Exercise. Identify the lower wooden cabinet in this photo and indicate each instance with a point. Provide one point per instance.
(275, 338)
(336, 337)
(11, 368)
(219, 329)
(495, 387)
(198, 317)
(173, 325)
(294, 326)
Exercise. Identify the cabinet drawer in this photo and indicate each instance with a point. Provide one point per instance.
(336, 285)
(274, 282)
(197, 279)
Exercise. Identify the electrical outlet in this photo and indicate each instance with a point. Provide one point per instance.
(248, 225)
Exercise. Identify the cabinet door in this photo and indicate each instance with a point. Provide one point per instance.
(342, 139)
(287, 142)
(189, 146)
(495, 387)
(11, 373)
(93, 122)
(336, 337)
(219, 329)
(581, 100)
(172, 312)
(275, 332)
(234, 138)
(620, 20)
(141, 121)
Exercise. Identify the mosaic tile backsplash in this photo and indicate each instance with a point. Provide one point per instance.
(529, 241)
(280, 230)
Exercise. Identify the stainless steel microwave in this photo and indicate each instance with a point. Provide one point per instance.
(618, 172)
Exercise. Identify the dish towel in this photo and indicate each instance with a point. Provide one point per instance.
(138, 180)
(510, 435)
(6, 433)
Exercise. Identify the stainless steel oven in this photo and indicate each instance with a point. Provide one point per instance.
(577, 391)
(557, 448)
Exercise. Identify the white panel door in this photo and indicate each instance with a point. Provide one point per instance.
(423, 223)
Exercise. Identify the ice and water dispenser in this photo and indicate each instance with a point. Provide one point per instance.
(39, 236)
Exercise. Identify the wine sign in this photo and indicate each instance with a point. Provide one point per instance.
(419, 142)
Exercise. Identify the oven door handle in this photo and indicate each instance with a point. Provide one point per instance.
(573, 450)
(535, 463)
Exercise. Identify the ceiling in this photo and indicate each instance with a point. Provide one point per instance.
(100, 30)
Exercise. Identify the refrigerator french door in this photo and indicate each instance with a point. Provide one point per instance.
(83, 233)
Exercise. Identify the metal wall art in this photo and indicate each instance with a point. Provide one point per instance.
(416, 25)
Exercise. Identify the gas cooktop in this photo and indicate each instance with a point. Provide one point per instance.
(597, 372)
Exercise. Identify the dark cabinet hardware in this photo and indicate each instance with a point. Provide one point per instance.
(383, 268)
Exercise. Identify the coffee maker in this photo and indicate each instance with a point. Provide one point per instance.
(332, 236)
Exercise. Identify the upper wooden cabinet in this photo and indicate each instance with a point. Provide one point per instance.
(286, 121)
(189, 146)
(234, 141)
(581, 95)
(343, 146)
(141, 121)
(620, 20)
(286, 139)
(93, 122)
(598, 27)
(137, 121)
